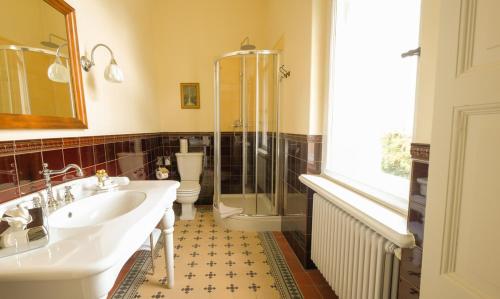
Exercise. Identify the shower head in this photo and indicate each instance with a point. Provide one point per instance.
(245, 44)
(50, 44)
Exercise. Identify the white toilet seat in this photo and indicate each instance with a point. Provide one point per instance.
(187, 194)
(189, 188)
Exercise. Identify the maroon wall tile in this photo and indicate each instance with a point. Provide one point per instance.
(99, 139)
(87, 156)
(9, 187)
(110, 151)
(89, 171)
(52, 143)
(88, 140)
(6, 148)
(99, 154)
(28, 146)
(28, 167)
(72, 156)
(8, 174)
(71, 142)
(126, 146)
(301, 154)
(53, 158)
(21, 161)
(119, 147)
(111, 168)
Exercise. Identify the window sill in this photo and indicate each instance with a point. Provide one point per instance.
(387, 200)
(383, 220)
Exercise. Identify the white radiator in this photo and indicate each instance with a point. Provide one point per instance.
(357, 262)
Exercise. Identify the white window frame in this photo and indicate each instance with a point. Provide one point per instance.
(387, 200)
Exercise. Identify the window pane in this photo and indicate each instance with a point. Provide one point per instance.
(372, 95)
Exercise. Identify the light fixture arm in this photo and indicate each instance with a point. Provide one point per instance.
(58, 52)
(245, 41)
(87, 64)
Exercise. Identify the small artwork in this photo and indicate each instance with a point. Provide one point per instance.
(190, 95)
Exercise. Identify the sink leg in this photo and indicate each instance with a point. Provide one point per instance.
(168, 233)
(152, 246)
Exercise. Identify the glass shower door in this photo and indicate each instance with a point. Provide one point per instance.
(229, 135)
(259, 156)
(248, 99)
(265, 135)
(246, 135)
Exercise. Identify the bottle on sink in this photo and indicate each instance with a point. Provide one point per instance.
(23, 227)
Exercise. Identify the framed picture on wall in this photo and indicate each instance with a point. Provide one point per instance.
(190, 95)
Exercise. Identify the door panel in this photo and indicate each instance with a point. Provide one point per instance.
(480, 16)
(460, 259)
(471, 219)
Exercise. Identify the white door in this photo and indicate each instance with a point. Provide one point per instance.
(462, 225)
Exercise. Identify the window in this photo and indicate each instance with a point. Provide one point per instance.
(372, 94)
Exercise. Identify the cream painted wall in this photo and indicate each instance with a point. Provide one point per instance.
(289, 30)
(320, 45)
(178, 40)
(130, 107)
(427, 71)
(189, 35)
(29, 22)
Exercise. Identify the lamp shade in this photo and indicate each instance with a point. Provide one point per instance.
(58, 72)
(113, 73)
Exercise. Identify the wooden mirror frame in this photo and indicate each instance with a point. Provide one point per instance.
(24, 121)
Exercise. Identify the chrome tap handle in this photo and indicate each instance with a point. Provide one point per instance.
(46, 172)
(68, 197)
(51, 201)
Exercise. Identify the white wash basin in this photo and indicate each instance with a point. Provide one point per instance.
(90, 240)
(97, 209)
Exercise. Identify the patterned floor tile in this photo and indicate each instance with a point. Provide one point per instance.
(212, 262)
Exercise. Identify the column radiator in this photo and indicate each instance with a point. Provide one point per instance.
(357, 262)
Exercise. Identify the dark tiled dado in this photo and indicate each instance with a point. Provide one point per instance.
(21, 161)
(301, 154)
(135, 156)
(232, 163)
(132, 155)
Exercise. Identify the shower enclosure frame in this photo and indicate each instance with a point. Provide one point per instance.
(243, 121)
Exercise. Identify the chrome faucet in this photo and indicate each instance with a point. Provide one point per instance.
(46, 172)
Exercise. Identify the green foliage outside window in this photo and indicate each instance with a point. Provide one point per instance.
(396, 158)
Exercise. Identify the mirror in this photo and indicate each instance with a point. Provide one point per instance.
(40, 74)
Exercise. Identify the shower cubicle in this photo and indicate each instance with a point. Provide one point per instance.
(247, 139)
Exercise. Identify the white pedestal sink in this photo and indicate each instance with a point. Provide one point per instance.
(97, 209)
(90, 241)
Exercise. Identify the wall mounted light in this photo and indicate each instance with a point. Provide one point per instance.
(112, 73)
(57, 71)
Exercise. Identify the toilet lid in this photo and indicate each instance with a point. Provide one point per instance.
(188, 187)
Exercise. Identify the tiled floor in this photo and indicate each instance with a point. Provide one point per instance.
(311, 283)
(212, 262)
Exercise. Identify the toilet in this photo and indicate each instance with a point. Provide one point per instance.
(190, 167)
